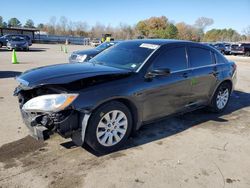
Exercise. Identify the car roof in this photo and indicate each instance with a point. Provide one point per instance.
(160, 41)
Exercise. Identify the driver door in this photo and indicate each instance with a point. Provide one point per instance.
(167, 94)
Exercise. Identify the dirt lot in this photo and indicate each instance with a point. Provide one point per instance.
(198, 149)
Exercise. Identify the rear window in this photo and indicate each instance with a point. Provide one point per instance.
(220, 58)
(199, 57)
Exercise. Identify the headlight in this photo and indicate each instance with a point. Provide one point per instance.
(49, 103)
(81, 58)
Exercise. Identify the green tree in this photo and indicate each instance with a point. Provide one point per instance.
(142, 28)
(2, 23)
(40, 26)
(153, 27)
(14, 22)
(172, 31)
(229, 35)
(29, 24)
(5, 25)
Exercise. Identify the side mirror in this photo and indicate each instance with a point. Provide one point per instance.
(158, 72)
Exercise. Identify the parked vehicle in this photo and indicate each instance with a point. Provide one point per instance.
(4, 39)
(227, 49)
(224, 48)
(135, 82)
(17, 43)
(241, 49)
(95, 42)
(85, 55)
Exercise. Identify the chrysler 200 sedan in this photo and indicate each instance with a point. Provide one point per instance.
(103, 101)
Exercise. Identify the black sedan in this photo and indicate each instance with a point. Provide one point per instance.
(85, 55)
(135, 82)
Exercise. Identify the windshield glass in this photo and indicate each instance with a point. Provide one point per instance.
(17, 39)
(104, 45)
(125, 55)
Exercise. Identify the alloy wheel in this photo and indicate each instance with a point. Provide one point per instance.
(112, 128)
(222, 98)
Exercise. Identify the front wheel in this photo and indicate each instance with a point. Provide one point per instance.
(109, 127)
(221, 97)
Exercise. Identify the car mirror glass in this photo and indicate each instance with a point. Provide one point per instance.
(158, 72)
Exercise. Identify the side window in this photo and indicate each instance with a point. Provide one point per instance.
(199, 57)
(173, 58)
(219, 58)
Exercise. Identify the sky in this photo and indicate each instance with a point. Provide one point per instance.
(225, 13)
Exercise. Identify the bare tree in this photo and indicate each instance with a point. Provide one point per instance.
(81, 28)
(246, 32)
(203, 22)
(97, 30)
(63, 24)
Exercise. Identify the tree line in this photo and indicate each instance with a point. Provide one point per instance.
(153, 27)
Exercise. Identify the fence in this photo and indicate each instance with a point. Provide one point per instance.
(61, 39)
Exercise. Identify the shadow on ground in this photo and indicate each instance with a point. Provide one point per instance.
(9, 74)
(37, 49)
(174, 125)
(30, 50)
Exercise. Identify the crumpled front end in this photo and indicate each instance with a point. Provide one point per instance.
(43, 124)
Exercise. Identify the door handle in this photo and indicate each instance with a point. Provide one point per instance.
(215, 71)
(185, 74)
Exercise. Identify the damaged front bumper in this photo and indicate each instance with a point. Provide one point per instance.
(41, 126)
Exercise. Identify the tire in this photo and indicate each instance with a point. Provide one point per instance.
(221, 98)
(1, 45)
(109, 131)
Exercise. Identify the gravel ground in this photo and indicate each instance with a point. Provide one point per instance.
(198, 149)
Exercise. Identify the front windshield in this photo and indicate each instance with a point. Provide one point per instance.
(104, 45)
(125, 55)
(17, 39)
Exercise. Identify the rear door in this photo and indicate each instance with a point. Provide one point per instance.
(204, 74)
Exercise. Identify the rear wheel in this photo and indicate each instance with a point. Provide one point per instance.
(109, 127)
(221, 97)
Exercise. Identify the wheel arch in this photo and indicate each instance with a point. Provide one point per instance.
(229, 81)
(131, 105)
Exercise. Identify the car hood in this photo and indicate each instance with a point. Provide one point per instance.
(87, 52)
(65, 73)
